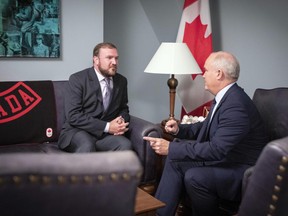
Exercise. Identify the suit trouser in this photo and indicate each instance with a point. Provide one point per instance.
(85, 142)
(204, 185)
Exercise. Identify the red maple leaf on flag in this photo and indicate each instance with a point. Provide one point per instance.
(195, 30)
(197, 43)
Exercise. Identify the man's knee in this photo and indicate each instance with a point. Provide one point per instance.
(124, 144)
(82, 142)
(198, 177)
(85, 147)
(113, 143)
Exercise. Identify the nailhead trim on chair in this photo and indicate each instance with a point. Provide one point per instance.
(66, 179)
(277, 187)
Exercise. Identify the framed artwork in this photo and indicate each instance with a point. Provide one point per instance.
(30, 28)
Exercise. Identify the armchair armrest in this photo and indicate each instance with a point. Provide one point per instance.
(149, 159)
(267, 189)
(69, 184)
(246, 177)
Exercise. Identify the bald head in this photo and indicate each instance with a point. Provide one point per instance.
(226, 62)
(221, 69)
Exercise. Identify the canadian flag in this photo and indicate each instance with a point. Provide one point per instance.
(195, 30)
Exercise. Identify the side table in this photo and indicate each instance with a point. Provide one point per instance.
(146, 205)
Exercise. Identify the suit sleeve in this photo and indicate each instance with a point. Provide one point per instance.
(229, 127)
(86, 119)
(124, 109)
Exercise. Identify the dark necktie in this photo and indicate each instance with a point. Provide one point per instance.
(210, 116)
(211, 112)
(106, 93)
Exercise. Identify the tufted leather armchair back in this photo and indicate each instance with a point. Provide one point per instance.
(273, 107)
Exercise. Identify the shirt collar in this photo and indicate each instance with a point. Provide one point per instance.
(100, 76)
(222, 92)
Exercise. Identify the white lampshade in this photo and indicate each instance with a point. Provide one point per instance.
(173, 58)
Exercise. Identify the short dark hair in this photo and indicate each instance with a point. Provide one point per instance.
(102, 45)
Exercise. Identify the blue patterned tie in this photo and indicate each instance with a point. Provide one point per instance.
(106, 93)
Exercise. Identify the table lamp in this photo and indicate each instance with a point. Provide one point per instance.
(173, 58)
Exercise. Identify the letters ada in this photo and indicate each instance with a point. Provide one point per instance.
(17, 101)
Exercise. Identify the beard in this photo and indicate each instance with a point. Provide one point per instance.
(109, 72)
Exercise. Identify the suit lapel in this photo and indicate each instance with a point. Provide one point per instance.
(217, 108)
(233, 87)
(116, 88)
(115, 94)
(95, 85)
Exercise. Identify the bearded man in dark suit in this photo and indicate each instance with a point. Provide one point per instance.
(207, 159)
(91, 125)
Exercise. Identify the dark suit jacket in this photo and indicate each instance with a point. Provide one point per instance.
(235, 135)
(84, 105)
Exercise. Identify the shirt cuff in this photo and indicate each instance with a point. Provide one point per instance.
(177, 131)
(106, 129)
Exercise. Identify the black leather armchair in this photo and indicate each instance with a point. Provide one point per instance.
(33, 184)
(267, 191)
(273, 107)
